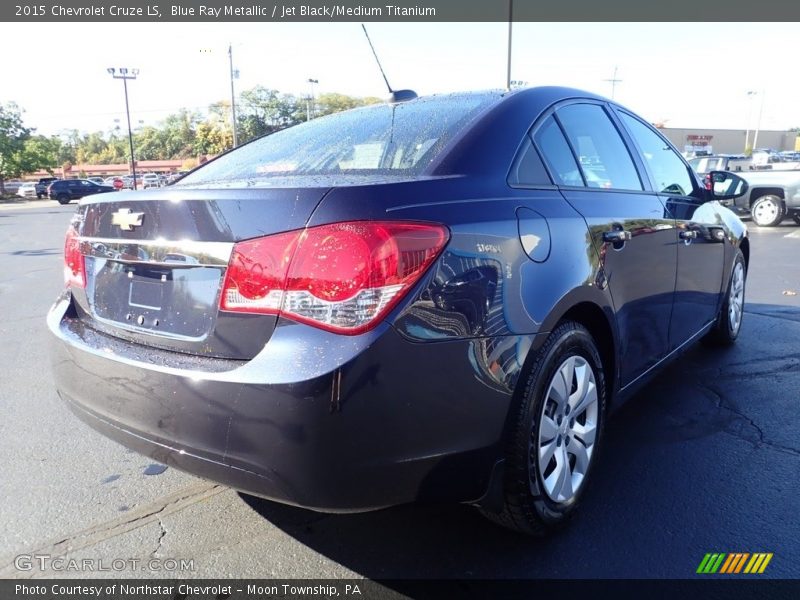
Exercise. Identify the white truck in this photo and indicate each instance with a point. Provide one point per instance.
(771, 196)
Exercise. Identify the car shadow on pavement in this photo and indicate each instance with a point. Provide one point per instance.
(665, 482)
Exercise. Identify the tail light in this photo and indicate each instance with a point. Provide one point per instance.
(74, 267)
(342, 277)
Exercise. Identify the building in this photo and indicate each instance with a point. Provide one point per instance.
(729, 141)
(142, 166)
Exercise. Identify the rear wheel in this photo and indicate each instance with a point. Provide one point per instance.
(555, 433)
(796, 218)
(768, 211)
(63, 198)
(729, 321)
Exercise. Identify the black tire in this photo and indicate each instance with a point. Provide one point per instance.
(796, 218)
(528, 507)
(39, 196)
(724, 333)
(768, 210)
(63, 199)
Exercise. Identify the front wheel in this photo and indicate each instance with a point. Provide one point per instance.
(729, 321)
(767, 211)
(555, 433)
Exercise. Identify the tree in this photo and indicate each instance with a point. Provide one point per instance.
(332, 102)
(263, 110)
(13, 135)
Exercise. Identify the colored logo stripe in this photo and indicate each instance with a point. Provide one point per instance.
(734, 562)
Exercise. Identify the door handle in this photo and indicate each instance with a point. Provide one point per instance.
(617, 236)
(688, 234)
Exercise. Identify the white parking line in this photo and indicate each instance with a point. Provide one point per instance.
(794, 234)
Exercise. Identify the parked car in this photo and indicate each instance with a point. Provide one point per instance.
(422, 300)
(771, 197)
(65, 190)
(41, 186)
(98, 180)
(151, 180)
(27, 190)
(721, 162)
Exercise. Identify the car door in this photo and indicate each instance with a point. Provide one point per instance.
(700, 248)
(629, 230)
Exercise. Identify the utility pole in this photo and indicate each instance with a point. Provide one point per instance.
(508, 62)
(311, 100)
(614, 81)
(233, 96)
(125, 75)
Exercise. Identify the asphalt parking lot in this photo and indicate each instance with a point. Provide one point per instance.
(705, 459)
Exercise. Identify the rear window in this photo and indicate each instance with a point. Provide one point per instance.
(380, 139)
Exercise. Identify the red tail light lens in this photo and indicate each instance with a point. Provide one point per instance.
(74, 267)
(342, 277)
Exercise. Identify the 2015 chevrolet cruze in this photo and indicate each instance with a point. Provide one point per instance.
(438, 299)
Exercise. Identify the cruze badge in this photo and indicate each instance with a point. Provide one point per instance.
(126, 219)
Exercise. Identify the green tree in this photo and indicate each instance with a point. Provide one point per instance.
(13, 136)
(263, 110)
(44, 152)
(327, 104)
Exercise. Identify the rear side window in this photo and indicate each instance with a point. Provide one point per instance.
(528, 168)
(604, 157)
(557, 154)
(669, 172)
(381, 139)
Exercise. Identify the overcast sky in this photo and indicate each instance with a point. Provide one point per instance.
(687, 75)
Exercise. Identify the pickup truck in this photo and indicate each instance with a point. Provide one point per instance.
(771, 196)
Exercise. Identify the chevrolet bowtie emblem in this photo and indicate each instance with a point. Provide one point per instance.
(126, 219)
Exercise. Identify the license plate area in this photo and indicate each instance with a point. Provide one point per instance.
(178, 302)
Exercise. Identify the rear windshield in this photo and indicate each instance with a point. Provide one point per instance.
(381, 139)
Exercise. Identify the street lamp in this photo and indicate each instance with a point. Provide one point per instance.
(310, 99)
(124, 73)
(234, 75)
(750, 96)
(758, 123)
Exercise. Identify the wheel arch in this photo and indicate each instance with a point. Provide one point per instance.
(758, 192)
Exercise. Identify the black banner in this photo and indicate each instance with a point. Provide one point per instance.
(397, 10)
(364, 589)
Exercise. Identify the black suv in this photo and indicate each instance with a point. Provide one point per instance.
(41, 186)
(65, 190)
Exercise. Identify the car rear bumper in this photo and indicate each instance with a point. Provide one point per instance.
(316, 420)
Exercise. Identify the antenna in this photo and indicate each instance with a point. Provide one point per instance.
(394, 96)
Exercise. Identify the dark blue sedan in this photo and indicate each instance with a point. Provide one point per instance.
(439, 299)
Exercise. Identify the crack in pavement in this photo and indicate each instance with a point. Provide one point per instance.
(161, 535)
(101, 532)
(760, 441)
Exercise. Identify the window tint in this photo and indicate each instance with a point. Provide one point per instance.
(528, 168)
(666, 167)
(603, 155)
(557, 155)
(381, 139)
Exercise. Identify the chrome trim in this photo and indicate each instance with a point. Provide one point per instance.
(195, 254)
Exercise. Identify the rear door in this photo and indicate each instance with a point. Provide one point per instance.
(701, 251)
(628, 227)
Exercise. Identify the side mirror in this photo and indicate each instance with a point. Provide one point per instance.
(726, 186)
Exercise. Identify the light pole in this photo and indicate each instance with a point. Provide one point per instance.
(750, 95)
(234, 74)
(310, 99)
(126, 74)
(758, 123)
